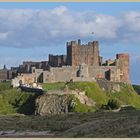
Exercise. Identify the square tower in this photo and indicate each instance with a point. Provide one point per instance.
(78, 53)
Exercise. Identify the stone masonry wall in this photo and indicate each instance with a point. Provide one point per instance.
(66, 73)
(60, 74)
(78, 54)
(57, 60)
(123, 65)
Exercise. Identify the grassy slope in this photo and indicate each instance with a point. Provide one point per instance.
(127, 95)
(15, 101)
(137, 88)
(92, 90)
(79, 107)
(53, 86)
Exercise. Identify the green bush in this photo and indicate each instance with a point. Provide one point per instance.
(113, 104)
(137, 88)
(16, 101)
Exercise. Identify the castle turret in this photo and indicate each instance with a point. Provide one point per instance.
(123, 65)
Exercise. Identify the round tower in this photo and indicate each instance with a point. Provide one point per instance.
(123, 65)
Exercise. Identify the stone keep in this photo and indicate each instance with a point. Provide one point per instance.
(78, 53)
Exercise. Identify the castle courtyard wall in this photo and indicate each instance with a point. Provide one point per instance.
(60, 74)
(111, 73)
(66, 73)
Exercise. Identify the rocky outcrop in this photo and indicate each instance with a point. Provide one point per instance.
(59, 102)
(52, 104)
(83, 98)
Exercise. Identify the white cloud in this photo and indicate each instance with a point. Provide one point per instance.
(131, 20)
(135, 66)
(3, 36)
(59, 10)
(28, 28)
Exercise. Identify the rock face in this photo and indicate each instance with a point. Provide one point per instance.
(59, 102)
(52, 104)
(83, 98)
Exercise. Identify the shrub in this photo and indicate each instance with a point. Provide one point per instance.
(15, 101)
(113, 104)
(137, 88)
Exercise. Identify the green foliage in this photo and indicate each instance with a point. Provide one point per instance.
(76, 106)
(15, 101)
(5, 86)
(92, 90)
(137, 88)
(126, 96)
(5, 107)
(53, 86)
(113, 104)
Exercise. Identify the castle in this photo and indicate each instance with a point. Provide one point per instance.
(81, 63)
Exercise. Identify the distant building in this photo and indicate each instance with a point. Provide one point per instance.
(26, 67)
(3, 73)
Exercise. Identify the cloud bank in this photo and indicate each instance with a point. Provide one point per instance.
(29, 28)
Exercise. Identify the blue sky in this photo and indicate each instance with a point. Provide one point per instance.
(30, 31)
(104, 7)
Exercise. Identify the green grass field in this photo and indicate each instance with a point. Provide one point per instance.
(53, 86)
